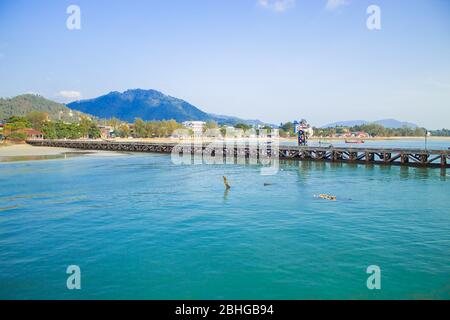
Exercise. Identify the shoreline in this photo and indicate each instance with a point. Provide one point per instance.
(27, 150)
(23, 151)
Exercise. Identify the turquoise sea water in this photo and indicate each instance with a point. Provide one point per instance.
(141, 227)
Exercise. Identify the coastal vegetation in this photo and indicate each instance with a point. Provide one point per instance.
(441, 133)
(61, 130)
(91, 128)
(14, 126)
(373, 130)
(15, 123)
(287, 129)
(149, 129)
(370, 129)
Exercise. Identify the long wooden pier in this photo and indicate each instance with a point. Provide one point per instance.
(383, 156)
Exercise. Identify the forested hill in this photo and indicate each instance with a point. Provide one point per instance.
(26, 103)
(149, 105)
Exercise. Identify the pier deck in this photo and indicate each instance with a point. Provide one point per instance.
(384, 156)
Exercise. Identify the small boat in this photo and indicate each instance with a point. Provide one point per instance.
(354, 141)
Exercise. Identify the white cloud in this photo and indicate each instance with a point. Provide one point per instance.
(334, 4)
(67, 94)
(277, 5)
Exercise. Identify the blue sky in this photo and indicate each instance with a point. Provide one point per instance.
(274, 60)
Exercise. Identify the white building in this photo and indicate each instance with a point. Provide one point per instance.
(195, 126)
(305, 127)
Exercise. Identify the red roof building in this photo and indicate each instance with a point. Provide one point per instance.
(32, 134)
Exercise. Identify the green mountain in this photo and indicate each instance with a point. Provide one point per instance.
(24, 104)
(148, 105)
(126, 106)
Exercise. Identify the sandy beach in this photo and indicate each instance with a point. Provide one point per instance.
(19, 150)
(26, 150)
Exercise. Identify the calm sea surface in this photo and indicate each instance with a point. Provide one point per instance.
(140, 226)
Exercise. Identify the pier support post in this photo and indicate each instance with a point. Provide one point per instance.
(404, 158)
(337, 155)
(443, 161)
(333, 155)
(370, 156)
(424, 159)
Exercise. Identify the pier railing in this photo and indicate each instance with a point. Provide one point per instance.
(386, 156)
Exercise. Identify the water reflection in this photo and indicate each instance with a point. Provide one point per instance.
(225, 194)
(305, 167)
(65, 155)
(443, 174)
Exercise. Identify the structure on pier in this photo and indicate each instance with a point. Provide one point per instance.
(385, 156)
(303, 131)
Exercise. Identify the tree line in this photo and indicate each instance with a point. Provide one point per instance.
(14, 126)
(441, 132)
(372, 129)
(88, 128)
